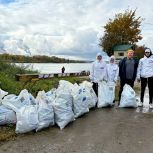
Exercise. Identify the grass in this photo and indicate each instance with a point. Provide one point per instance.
(9, 83)
(7, 133)
(7, 77)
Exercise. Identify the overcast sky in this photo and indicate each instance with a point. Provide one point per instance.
(70, 28)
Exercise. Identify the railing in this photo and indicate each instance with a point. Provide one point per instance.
(29, 77)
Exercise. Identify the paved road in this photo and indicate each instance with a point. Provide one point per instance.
(109, 130)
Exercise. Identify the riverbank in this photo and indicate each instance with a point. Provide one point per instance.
(36, 59)
(9, 84)
(7, 132)
(8, 81)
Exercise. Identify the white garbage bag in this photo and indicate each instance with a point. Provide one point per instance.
(45, 111)
(63, 91)
(27, 97)
(2, 94)
(63, 108)
(51, 95)
(106, 94)
(66, 85)
(7, 116)
(16, 102)
(12, 102)
(90, 94)
(27, 119)
(128, 97)
(80, 103)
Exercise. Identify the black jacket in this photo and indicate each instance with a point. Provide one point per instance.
(122, 69)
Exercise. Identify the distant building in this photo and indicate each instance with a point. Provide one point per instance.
(120, 51)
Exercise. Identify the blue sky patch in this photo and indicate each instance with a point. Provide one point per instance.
(6, 1)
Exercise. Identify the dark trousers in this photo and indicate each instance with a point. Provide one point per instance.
(144, 82)
(95, 88)
(122, 83)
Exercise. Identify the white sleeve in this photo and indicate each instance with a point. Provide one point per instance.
(106, 76)
(139, 69)
(105, 73)
(117, 73)
(91, 76)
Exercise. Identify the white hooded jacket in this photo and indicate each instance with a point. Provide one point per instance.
(112, 72)
(98, 71)
(145, 67)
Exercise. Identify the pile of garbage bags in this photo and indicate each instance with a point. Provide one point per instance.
(58, 106)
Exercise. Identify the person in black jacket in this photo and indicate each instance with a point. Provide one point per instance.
(127, 71)
(63, 69)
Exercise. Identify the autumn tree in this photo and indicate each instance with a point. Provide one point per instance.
(123, 29)
(139, 51)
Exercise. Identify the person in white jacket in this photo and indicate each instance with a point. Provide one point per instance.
(97, 72)
(112, 70)
(145, 75)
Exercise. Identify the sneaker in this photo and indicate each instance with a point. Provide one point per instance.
(150, 105)
(140, 104)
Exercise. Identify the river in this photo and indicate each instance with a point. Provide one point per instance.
(56, 67)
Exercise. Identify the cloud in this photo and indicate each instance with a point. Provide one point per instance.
(63, 27)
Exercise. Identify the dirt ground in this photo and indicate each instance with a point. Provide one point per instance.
(109, 130)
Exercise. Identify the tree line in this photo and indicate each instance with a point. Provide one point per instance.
(35, 59)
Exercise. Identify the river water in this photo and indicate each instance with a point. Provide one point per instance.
(56, 67)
